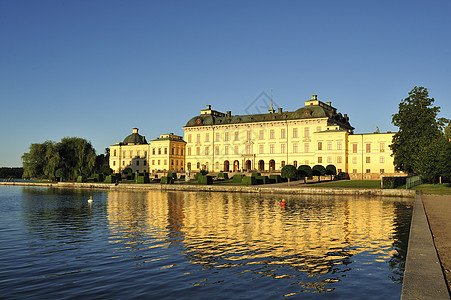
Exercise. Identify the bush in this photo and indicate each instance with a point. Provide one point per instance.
(256, 175)
(166, 180)
(249, 180)
(305, 171)
(98, 177)
(290, 172)
(393, 182)
(331, 170)
(225, 176)
(264, 180)
(205, 179)
(113, 178)
(127, 171)
(143, 178)
(82, 179)
(275, 178)
(173, 175)
(237, 178)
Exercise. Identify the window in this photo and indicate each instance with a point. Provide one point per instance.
(166, 151)
(198, 165)
(236, 136)
(248, 149)
(226, 150)
(329, 145)
(382, 147)
(226, 136)
(339, 145)
(295, 148)
(207, 137)
(145, 162)
(206, 151)
(306, 132)
(153, 151)
(306, 147)
(271, 148)
(236, 150)
(123, 163)
(320, 159)
(172, 162)
(153, 162)
(114, 153)
(114, 163)
(295, 132)
(198, 138)
(354, 160)
(159, 162)
(137, 162)
(188, 166)
(282, 148)
(217, 136)
(318, 129)
(382, 159)
(165, 162)
(339, 159)
(189, 151)
(189, 139)
(124, 154)
(271, 134)
(217, 165)
(354, 171)
(368, 171)
(248, 135)
(329, 160)
(295, 163)
(320, 145)
(354, 148)
(282, 163)
(261, 135)
(159, 150)
(368, 159)
(198, 151)
(282, 134)
(261, 149)
(145, 153)
(368, 148)
(217, 150)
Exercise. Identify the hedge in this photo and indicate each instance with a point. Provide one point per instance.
(276, 178)
(166, 180)
(82, 179)
(237, 178)
(392, 182)
(205, 179)
(223, 175)
(249, 180)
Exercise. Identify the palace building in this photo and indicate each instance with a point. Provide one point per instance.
(166, 153)
(316, 134)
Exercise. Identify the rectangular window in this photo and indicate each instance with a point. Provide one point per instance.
(329, 160)
(368, 170)
(198, 138)
(114, 153)
(137, 162)
(272, 148)
(114, 163)
(318, 129)
(166, 151)
(282, 134)
(295, 163)
(189, 151)
(153, 151)
(261, 149)
(382, 159)
(368, 148)
(262, 135)
(189, 139)
(282, 148)
(329, 145)
(123, 163)
(159, 162)
(354, 148)
(236, 136)
(217, 150)
(207, 137)
(145, 162)
(320, 145)
(153, 162)
(217, 136)
(249, 135)
(339, 159)
(354, 160)
(320, 160)
(198, 151)
(206, 151)
(295, 132)
(248, 149)
(306, 132)
(124, 154)
(295, 148)
(236, 150)
(306, 147)
(271, 134)
(382, 147)
(354, 171)
(226, 150)
(159, 151)
(165, 162)
(339, 145)
(226, 136)
(368, 159)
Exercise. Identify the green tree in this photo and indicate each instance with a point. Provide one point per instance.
(418, 126)
(290, 172)
(331, 170)
(35, 161)
(305, 171)
(319, 171)
(77, 157)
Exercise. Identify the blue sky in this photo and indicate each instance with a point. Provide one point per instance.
(96, 69)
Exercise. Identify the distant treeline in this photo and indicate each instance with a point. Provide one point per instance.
(6, 172)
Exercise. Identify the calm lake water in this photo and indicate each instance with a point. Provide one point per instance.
(177, 245)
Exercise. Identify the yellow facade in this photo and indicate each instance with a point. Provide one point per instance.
(313, 135)
(165, 153)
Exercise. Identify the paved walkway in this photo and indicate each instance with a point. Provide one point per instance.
(438, 211)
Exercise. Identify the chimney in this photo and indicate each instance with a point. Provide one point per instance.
(208, 106)
(229, 113)
(314, 97)
(279, 110)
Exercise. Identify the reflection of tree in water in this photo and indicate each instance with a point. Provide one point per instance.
(403, 216)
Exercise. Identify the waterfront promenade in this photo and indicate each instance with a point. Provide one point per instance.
(425, 272)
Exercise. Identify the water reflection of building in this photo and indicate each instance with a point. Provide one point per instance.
(313, 235)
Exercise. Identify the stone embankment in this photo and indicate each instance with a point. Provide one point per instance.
(228, 189)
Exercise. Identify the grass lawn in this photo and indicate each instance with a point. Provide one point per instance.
(439, 189)
(352, 184)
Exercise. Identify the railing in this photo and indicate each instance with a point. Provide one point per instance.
(413, 181)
